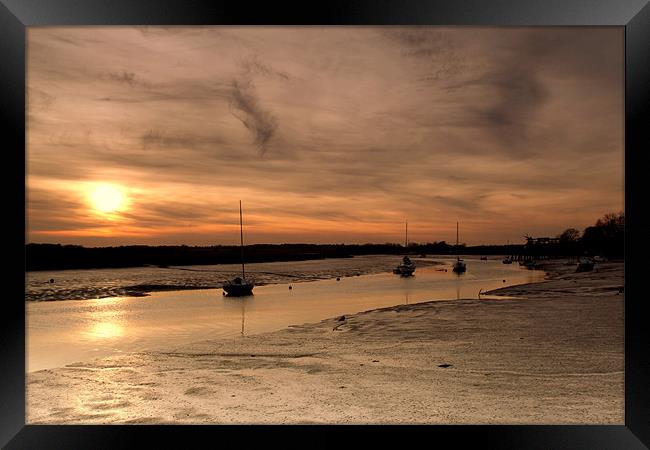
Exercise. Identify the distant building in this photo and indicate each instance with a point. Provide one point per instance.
(531, 241)
(542, 247)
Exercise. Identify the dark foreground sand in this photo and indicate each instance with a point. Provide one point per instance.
(555, 357)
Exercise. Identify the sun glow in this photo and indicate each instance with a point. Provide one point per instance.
(107, 198)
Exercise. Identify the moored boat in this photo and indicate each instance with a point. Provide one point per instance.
(459, 265)
(240, 286)
(585, 265)
(406, 268)
(530, 264)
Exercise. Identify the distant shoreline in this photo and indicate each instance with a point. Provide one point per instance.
(41, 257)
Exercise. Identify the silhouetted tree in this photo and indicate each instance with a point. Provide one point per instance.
(613, 224)
(569, 235)
(569, 244)
(606, 237)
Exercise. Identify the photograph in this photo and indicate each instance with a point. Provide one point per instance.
(325, 225)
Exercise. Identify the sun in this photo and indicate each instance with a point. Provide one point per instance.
(107, 198)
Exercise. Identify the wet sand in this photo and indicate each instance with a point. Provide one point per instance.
(555, 357)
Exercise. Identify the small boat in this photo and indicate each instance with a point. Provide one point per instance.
(240, 286)
(406, 268)
(483, 258)
(532, 264)
(508, 259)
(459, 265)
(585, 265)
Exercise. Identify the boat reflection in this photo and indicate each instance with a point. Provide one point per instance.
(243, 315)
(239, 304)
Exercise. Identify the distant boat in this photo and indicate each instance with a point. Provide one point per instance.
(483, 258)
(531, 264)
(508, 259)
(585, 265)
(406, 268)
(240, 286)
(459, 265)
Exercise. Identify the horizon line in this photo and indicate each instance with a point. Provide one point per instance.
(268, 243)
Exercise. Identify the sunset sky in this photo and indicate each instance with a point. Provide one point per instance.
(152, 135)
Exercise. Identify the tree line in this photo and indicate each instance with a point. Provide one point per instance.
(604, 238)
(58, 256)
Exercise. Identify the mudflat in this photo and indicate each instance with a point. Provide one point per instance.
(553, 356)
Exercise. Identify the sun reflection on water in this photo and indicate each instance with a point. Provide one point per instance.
(106, 330)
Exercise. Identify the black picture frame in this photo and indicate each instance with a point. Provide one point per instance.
(633, 15)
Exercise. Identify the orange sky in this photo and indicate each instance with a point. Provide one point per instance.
(326, 134)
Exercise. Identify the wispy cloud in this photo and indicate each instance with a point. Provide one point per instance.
(246, 105)
(246, 108)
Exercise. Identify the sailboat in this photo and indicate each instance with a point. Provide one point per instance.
(406, 268)
(240, 286)
(459, 265)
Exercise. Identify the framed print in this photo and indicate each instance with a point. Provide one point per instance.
(354, 213)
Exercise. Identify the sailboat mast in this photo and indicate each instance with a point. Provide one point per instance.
(456, 239)
(406, 241)
(241, 236)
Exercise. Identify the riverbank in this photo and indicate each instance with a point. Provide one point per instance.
(555, 357)
(88, 284)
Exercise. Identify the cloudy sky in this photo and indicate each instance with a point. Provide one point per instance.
(152, 135)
